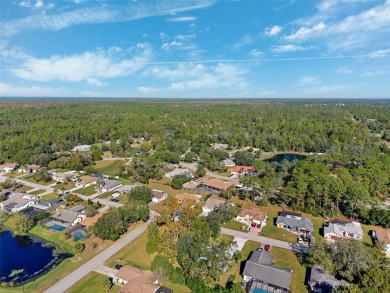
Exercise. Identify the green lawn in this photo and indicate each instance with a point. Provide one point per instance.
(86, 190)
(100, 165)
(287, 259)
(106, 194)
(37, 192)
(92, 280)
(48, 196)
(234, 225)
(26, 188)
(55, 237)
(177, 288)
(133, 254)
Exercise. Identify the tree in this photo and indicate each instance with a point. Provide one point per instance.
(162, 268)
(107, 284)
(23, 222)
(78, 247)
(153, 234)
(178, 181)
(91, 211)
(244, 158)
(141, 193)
(96, 153)
(41, 175)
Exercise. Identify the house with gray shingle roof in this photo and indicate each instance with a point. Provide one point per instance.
(339, 229)
(259, 272)
(294, 222)
(321, 281)
(111, 185)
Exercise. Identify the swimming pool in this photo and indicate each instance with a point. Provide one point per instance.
(258, 290)
(57, 227)
(79, 235)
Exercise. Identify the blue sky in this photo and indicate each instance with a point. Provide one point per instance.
(195, 48)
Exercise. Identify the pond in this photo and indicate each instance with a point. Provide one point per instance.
(289, 157)
(24, 258)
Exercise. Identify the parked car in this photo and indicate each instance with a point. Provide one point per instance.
(118, 266)
(258, 226)
(253, 225)
(300, 240)
(114, 199)
(267, 247)
(250, 228)
(373, 234)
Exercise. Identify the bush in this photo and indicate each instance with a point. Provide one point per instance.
(141, 193)
(151, 245)
(78, 247)
(177, 276)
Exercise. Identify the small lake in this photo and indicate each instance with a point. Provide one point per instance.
(31, 254)
(289, 157)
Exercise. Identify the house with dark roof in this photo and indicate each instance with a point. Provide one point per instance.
(158, 195)
(320, 281)
(50, 205)
(65, 218)
(260, 274)
(294, 222)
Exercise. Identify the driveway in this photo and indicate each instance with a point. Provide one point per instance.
(105, 270)
(193, 167)
(96, 261)
(47, 189)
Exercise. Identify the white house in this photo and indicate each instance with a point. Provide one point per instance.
(340, 229)
(82, 148)
(86, 181)
(179, 171)
(159, 195)
(18, 202)
(211, 204)
(30, 168)
(8, 167)
(62, 177)
(111, 185)
(249, 216)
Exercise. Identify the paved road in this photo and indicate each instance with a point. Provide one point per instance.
(47, 189)
(192, 167)
(264, 240)
(95, 262)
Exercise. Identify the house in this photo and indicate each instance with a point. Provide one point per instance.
(228, 163)
(217, 146)
(321, 281)
(188, 196)
(137, 140)
(87, 180)
(238, 171)
(65, 218)
(211, 204)
(135, 280)
(158, 195)
(8, 167)
(17, 202)
(191, 185)
(125, 188)
(340, 229)
(294, 222)
(62, 177)
(259, 272)
(216, 185)
(30, 168)
(50, 205)
(179, 171)
(82, 148)
(249, 216)
(109, 185)
(383, 236)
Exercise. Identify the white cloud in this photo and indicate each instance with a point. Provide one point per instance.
(344, 70)
(108, 13)
(287, 48)
(273, 31)
(88, 66)
(328, 4)
(39, 4)
(182, 19)
(146, 90)
(255, 53)
(192, 76)
(167, 46)
(327, 88)
(244, 41)
(374, 73)
(307, 80)
(7, 90)
(380, 53)
(304, 32)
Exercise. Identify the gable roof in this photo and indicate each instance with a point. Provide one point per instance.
(253, 213)
(33, 167)
(109, 184)
(212, 203)
(66, 216)
(320, 277)
(219, 183)
(259, 267)
(9, 165)
(125, 188)
(158, 193)
(178, 171)
(340, 227)
(129, 273)
(183, 196)
(88, 179)
(294, 221)
(78, 208)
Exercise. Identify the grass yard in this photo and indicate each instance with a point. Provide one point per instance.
(133, 254)
(26, 188)
(366, 237)
(55, 237)
(86, 190)
(48, 196)
(100, 165)
(37, 192)
(287, 259)
(177, 288)
(234, 225)
(126, 181)
(106, 194)
(65, 185)
(92, 280)
(107, 154)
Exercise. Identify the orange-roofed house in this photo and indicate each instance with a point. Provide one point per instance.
(216, 185)
(135, 280)
(238, 171)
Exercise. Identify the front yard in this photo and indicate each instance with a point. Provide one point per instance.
(86, 190)
(37, 192)
(92, 280)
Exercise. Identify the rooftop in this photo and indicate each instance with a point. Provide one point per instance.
(88, 179)
(212, 203)
(383, 235)
(219, 183)
(158, 193)
(253, 213)
(184, 196)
